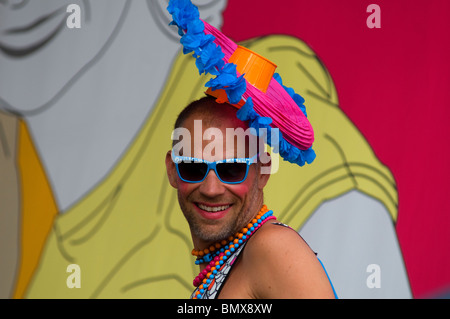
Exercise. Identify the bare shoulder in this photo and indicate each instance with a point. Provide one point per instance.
(280, 264)
(275, 242)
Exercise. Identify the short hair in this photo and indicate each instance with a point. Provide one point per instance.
(204, 106)
(207, 108)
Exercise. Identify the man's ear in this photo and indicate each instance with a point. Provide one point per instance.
(265, 166)
(171, 170)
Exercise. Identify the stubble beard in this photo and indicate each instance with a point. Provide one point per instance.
(203, 231)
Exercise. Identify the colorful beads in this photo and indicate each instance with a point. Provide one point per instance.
(205, 255)
(218, 256)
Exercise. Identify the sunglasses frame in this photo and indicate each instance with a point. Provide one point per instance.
(213, 165)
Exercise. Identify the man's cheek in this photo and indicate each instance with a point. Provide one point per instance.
(240, 190)
(184, 188)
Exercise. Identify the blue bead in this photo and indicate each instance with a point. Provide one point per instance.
(199, 296)
(214, 271)
(228, 253)
(249, 233)
(208, 281)
(236, 245)
(240, 241)
(202, 291)
(221, 262)
(232, 250)
(259, 220)
(211, 276)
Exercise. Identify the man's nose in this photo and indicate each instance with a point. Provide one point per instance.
(212, 186)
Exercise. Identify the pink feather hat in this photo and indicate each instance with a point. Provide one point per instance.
(247, 81)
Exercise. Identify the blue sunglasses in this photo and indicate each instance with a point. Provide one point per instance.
(229, 171)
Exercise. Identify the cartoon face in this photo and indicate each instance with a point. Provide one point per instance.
(36, 39)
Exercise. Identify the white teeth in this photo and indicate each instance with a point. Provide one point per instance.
(213, 209)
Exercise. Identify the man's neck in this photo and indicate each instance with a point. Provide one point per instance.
(200, 244)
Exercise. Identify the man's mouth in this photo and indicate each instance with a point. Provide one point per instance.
(213, 208)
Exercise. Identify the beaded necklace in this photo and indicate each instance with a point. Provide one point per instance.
(217, 254)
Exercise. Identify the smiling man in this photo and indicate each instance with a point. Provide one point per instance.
(214, 210)
(241, 249)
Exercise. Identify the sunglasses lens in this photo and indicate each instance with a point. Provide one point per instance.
(193, 172)
(232, 172)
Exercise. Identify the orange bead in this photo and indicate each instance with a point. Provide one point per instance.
(217, 245)
(200, 253)
(206, 251)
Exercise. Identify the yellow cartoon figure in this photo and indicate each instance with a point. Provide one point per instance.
(94, 141)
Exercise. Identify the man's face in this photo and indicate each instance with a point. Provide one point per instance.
(216, 210)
